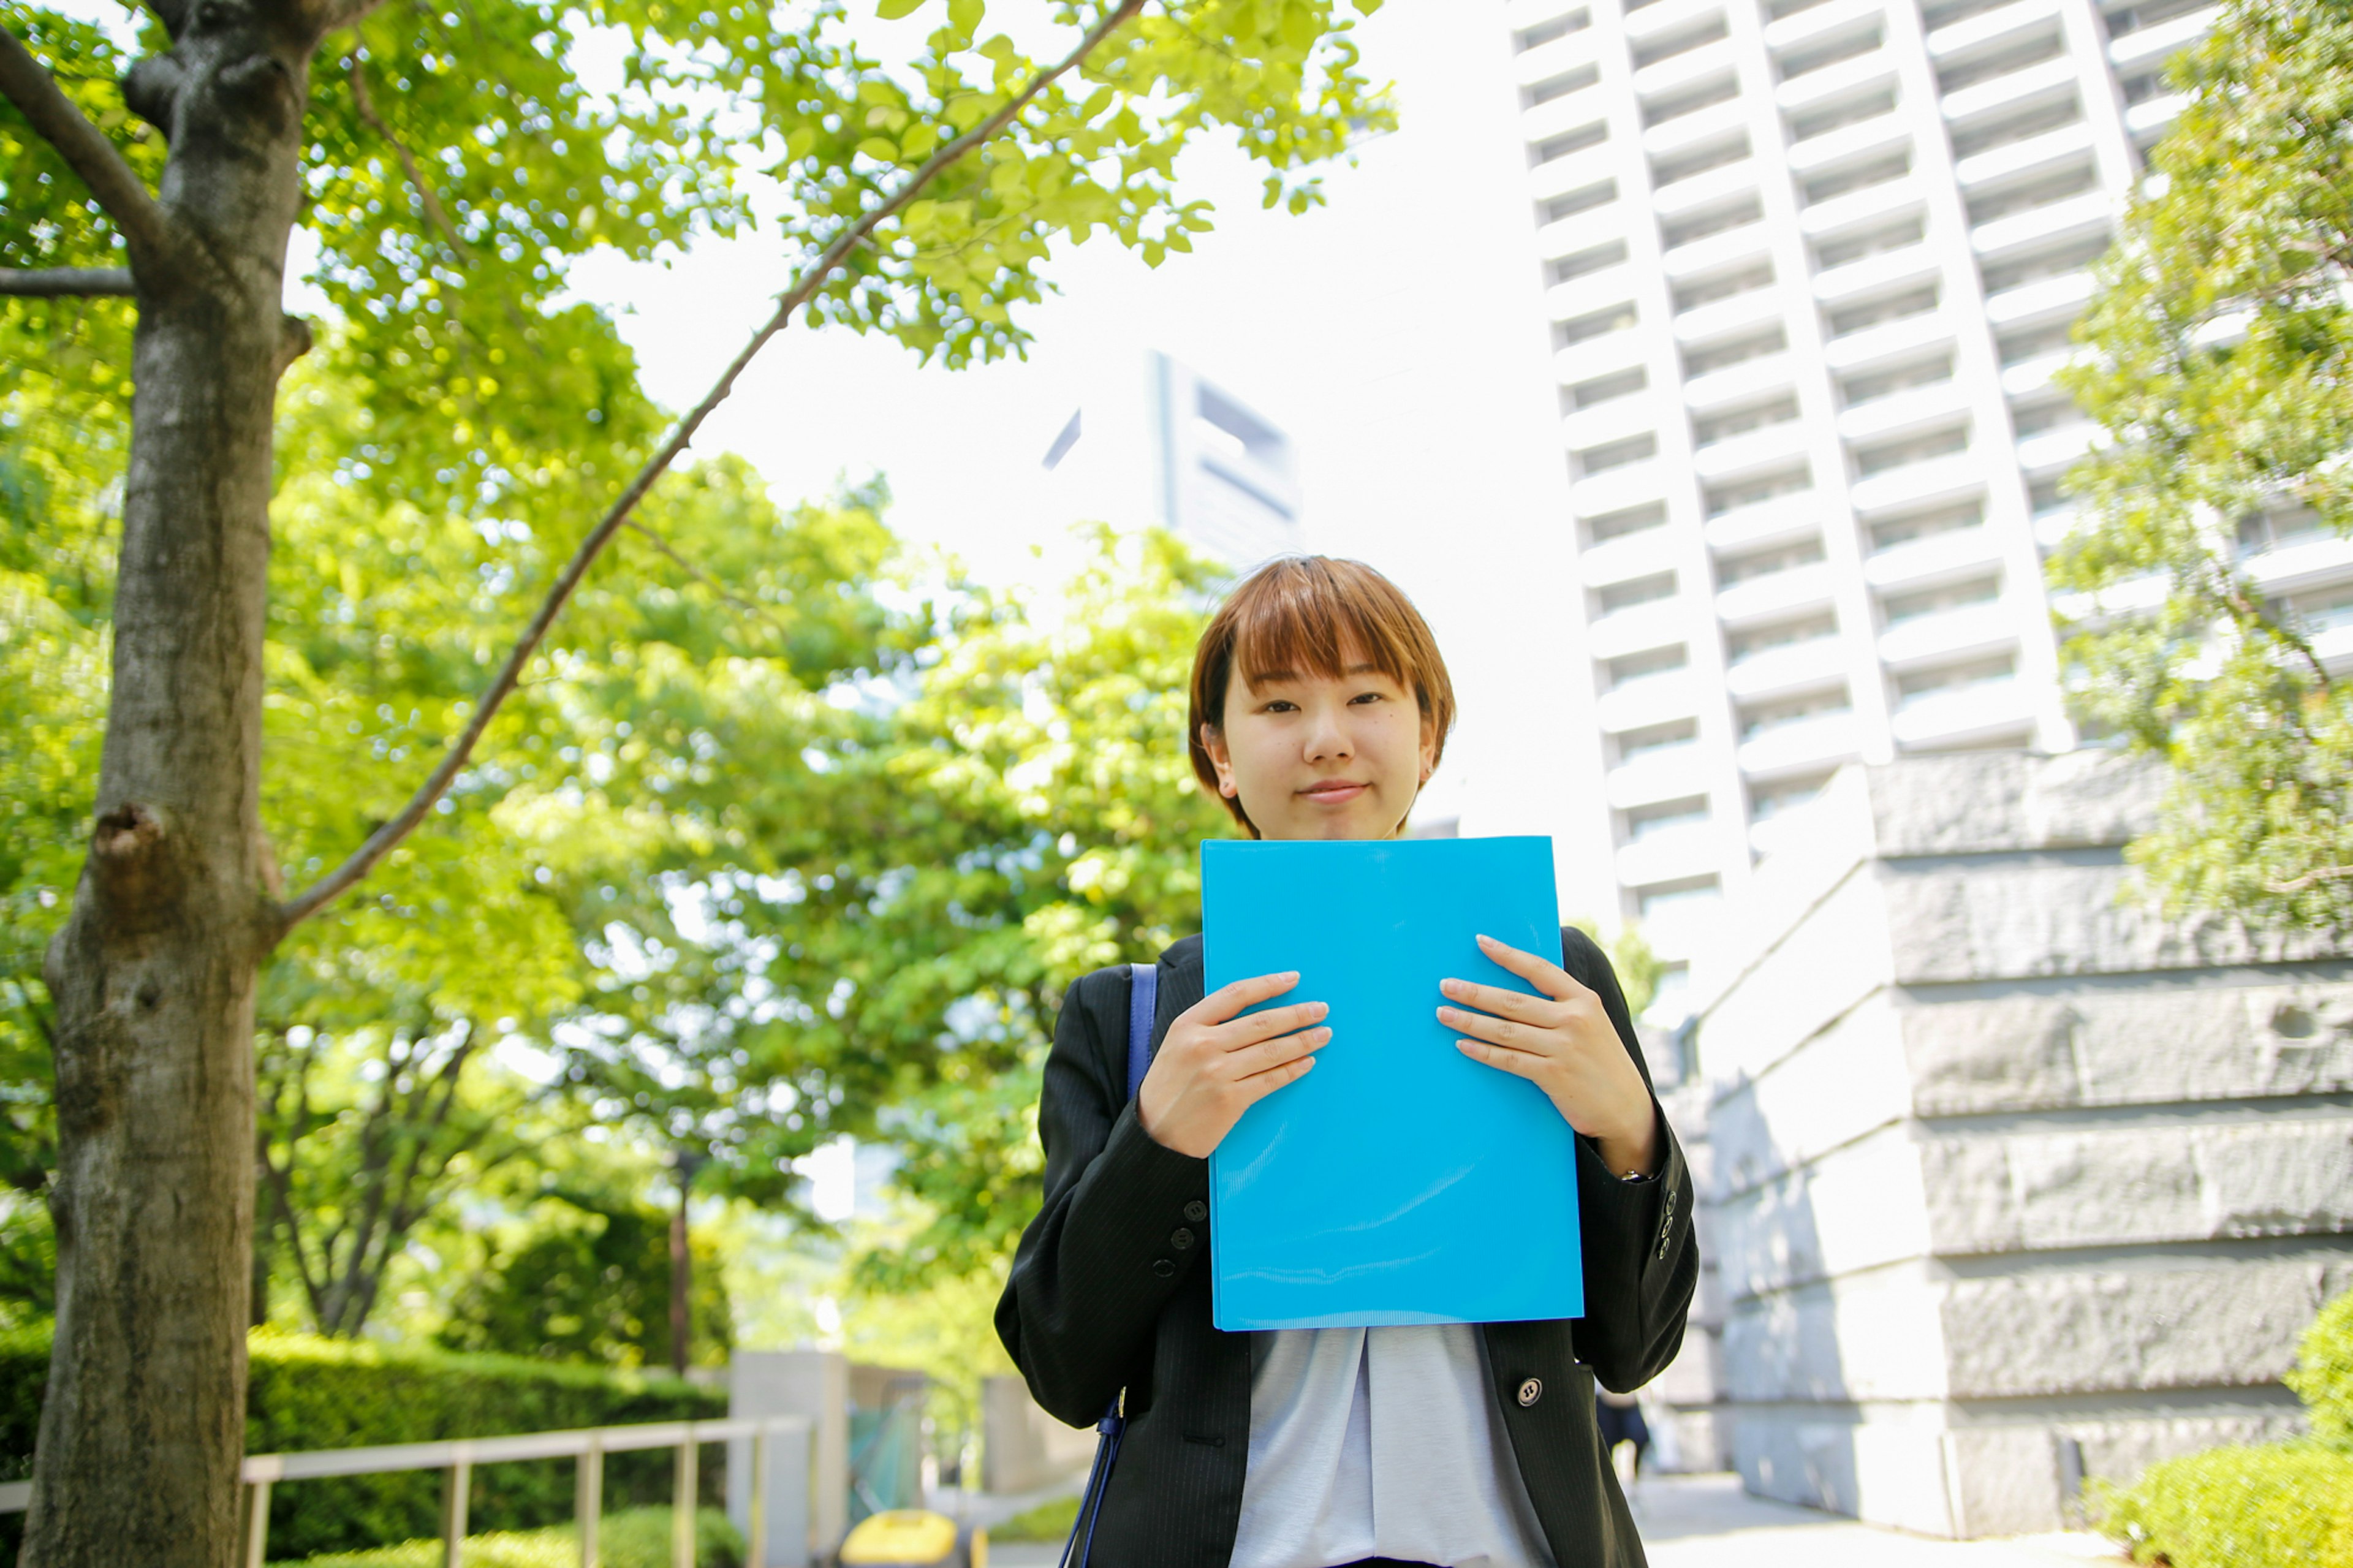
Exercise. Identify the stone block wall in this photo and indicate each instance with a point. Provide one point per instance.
(2007, 1180)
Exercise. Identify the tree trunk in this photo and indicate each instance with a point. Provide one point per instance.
(681, 1281)
(153, 975)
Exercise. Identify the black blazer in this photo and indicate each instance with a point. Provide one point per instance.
(1109, 1289)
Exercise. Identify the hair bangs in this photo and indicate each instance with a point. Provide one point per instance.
(1307, 622)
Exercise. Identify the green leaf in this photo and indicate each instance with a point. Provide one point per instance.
(964, 15)
(892, 10)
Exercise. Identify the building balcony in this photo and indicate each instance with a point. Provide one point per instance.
(1786, 670)
(1639, 628)
(1952, 556)
(2049, 79)
(1725, 248)
(1700, 125)
(1863, 71)
(1615, 490)
(1573, 171)
(1864, 139)
(1620, 347)
(1679, 73)
(1614, 419)
(2051, 452)
(1580, 106)
(1560, 56)
(1911, 337)
(1949, 636)
(1591, 291)
(2084, 217)
(2295, 568)
(2151, 118)
(2025, 160)
(1663, 18)
(1969, 715)
(1990, 30)
(1820, 22)
(1643, 553)
(1750, 379)
(1810, 745)
(1750, 452)
(1658, 773)
(2041, 302)
(1646, 700)
(1713, 187)
(1785, 517)
(1903, 413)
(1736, 316)
(1915, 487)
(2029, 376)
(1888, 270)
(1872, 204)
(2149, 45)
(1777, 596)
(1674, 854)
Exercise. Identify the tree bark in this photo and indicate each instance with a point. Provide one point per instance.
(143, 1428)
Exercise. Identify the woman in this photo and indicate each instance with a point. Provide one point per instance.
(1320, 706)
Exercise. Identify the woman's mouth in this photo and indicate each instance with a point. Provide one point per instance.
(1333, 792)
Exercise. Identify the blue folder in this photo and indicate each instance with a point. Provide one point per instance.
(1399, 1182)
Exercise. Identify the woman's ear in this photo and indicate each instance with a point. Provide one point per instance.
(1213, 742)
(1429, 749)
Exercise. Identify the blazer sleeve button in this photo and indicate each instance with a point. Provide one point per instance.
(1531, 1391)
(1164, 1266)
(1181, 1238)
(1197, 1211)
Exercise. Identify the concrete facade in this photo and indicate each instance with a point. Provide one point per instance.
(2007, 1181)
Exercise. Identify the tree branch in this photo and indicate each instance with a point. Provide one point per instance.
(60, 282)
(365, 103)
(2310, 879)
(121, 193)
(381, 842)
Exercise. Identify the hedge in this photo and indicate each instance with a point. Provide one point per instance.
(310, 1393)
(638, 1537)
(2282, 1505)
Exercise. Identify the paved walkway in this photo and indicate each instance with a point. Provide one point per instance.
(1707, 1521)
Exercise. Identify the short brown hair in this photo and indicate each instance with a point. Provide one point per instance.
(1293, 614)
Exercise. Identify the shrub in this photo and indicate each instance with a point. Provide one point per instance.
(2323, 1377)
(2284, 1505)
(1047, 1521)
(311, 1393)
(634, 1538)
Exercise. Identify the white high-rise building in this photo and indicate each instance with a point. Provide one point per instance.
(1810, 266)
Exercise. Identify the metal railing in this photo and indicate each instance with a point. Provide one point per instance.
(456, 1457)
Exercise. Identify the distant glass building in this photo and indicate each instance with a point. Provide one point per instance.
(1810, 266)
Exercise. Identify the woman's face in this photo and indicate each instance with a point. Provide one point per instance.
(1312, 757)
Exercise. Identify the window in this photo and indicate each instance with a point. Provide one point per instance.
(1895, 308)
(2027, 344)
(2040, 194)
(1748, 280)
(1722, 498)
(1717, 427)
(1879, 383)
(1568, 142)
(2275, 530)
(1637, 591)
(1651, 53)
(1644, 820)
(2045, 416)
(1767, 563)
(1855, 111)
(1677, 900)
(1953, 79)
(1863, 176)
(2045, 498)
(1561, 86)
(1870, 242)
(1615, 455)
(1578, 201)
(1618, 525)
(1901, 607)
(2012, 128)
(1586, 262)
(2067, 260)
(1600, 323)
(1806, 62)
(1722, 219)
(1911, 688)
(1722, 91)
(1769, 801)
(1878, 459)
(1544, 33)
(1705, 361)
(2142, 87)
(2133, 18)
(1635, 666)
(1604, 388)
(1903, 530)
(1946, 11)
(1657, 738)
(1777, 9)
(2324, 611)
(1786, 634)
(1768, 716)
(1694, 163)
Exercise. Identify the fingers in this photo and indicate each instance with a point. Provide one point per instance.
(1269, 1054)
(1546, 976)
(1525, 1038)
(1226, 1000)
(1519, 1004)
(1259, 1085)
(1243, 1033)
(1519, 1064)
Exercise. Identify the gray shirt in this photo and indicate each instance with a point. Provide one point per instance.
(1381, 1443)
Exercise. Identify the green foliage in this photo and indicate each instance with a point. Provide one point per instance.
(2323, 1377)
(592, 1285)
(630, 1538)
(2222, 368)
(1048, 1521)
(2285, 1505)
(310, 1393)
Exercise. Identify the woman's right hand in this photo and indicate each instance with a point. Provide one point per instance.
(1213, 1066)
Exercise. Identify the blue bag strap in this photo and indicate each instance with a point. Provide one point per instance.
(1143, 999)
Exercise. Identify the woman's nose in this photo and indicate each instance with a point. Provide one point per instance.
(1327, 738)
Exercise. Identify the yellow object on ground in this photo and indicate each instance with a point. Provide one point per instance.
(902, 1538)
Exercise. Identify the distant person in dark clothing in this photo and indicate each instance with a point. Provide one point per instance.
(1620, 1419)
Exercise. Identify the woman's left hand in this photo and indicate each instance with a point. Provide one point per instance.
(1564, 1043)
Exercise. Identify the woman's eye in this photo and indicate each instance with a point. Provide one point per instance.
(1366, 696)
(1282, 705)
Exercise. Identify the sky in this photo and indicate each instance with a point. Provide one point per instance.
(1395, 334)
